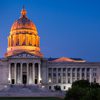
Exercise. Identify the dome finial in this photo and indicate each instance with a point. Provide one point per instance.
(23, 12)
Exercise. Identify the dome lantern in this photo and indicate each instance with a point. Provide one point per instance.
(23, 12)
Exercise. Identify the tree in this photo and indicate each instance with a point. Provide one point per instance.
(81, 83)
(83, 90)
(75, 93)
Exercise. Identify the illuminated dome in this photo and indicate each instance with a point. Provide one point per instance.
(23, 23)
(23, 37)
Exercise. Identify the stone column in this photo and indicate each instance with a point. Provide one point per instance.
(51, 75)
(57, 75)
(62, 75)
(9, 78)
(90, 75)
(39, 73)
(85, 74)
(66, 76)
(21, 73)
(71, 76)
(80, 73)
(75, 74)
(27, 74)
(15, 71)
(33, 80)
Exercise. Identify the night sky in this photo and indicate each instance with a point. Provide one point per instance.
(67, 28)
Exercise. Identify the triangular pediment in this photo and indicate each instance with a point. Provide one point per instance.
(64, 59)
(24, 55)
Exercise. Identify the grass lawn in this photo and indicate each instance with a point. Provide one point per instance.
(30, 98)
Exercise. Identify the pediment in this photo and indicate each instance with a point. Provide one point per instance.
(24, 55)
(64, 59)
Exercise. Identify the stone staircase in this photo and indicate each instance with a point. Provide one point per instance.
(28, 91)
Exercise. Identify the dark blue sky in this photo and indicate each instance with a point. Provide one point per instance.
(69, 28)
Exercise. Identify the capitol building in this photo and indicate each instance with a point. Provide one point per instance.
(24, 64)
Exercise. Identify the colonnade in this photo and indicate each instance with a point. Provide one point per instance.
(23, 40)
(69, 75)
(24, 73)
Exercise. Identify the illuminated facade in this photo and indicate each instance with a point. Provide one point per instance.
(24, 63)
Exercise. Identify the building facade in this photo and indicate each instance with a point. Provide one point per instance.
(24, 64)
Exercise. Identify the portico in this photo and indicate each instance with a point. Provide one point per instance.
(24, 73)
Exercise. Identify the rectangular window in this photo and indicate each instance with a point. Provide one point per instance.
(59, 80)
(64, 87)
(73, 69)
(87, 74)
(88, 69)
(94, 80)
(54, 69)
(54, 74)
(78, 69)
(54, 80)
(59, 74)
(68, 69)
(59, 69)
(94, 69)
(64, 69)
(78, 74)
(64, 74)
(68, 74)
(64, 80)
(50, 75)
(68, 80)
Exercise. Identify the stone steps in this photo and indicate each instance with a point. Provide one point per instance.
(28, 91)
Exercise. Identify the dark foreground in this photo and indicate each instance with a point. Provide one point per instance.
(30, 98)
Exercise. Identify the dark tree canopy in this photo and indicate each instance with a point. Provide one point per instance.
(83, 90)
(81, 83)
